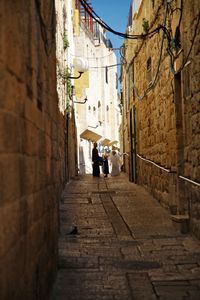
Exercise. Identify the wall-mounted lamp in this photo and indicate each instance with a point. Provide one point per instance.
(82, 102)
(93, 126)
(73, 94)
(75, 77)
(81, 65)
(100, 123)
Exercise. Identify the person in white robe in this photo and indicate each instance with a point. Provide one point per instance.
(115, 162)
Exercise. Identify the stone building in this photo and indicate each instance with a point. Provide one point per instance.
(31, 149)
(98, 117)
(65, 15)
(160, 80)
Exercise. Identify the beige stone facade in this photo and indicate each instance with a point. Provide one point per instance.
(161, 108)
(98, 118)
(31, 150)
(65, 11)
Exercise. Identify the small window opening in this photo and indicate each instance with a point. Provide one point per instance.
(149, 70)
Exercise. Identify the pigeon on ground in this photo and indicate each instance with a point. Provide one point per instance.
(74, 230)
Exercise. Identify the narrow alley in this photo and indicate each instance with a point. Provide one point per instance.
(125, 247)
(90, 87)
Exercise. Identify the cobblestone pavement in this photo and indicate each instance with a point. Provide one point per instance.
(126, 246)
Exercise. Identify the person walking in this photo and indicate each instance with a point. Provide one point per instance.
(105, 167)
(95, 161)
(115, 163)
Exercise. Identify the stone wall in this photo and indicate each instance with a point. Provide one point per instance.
(191, 112)
(31, 150)
(64, 57)
(168, 114)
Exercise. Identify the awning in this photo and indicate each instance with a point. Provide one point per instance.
(90, 135)
(113, 143)
(105, 142)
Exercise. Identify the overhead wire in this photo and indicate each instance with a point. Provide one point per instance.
(153, 83)
(171, 58)
(94, 57)
(149, 34)
(94, 15)
(170, 51)
(109, 66)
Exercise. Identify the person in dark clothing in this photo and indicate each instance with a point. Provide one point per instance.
(95, 161)
(105, 167)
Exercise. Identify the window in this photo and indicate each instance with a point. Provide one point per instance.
(106, 74)
(107, 114)
(99, 110)
(149, 75)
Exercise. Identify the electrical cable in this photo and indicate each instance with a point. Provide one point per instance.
(172, 69)
(153, 83)
(93, 14)
(110, 66)
(169, 50)
(181, 9)
(156, 15)
(93, 58)
(166, 33)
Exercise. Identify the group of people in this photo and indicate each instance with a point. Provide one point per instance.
(112, 159)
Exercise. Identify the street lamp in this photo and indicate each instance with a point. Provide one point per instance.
(81, 65)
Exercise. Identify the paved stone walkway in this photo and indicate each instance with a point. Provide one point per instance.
(126, 247)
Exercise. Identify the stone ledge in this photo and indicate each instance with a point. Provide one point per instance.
(181, 222)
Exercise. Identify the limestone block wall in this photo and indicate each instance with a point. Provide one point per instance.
(191, 112)
(64, 58)
(156, 140)
(31, 150)
(167, 116)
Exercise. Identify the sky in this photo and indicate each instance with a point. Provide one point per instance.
(115, 14)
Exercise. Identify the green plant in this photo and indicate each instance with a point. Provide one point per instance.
(145, 25)
(68, 96)
(65, 42)
(69, 87)
(65, 74)
(68, 106)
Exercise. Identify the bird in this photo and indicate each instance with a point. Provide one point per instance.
(74, 231)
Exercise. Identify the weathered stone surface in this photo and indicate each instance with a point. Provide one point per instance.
(125, 248)
(31, 173)
(167, 121)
